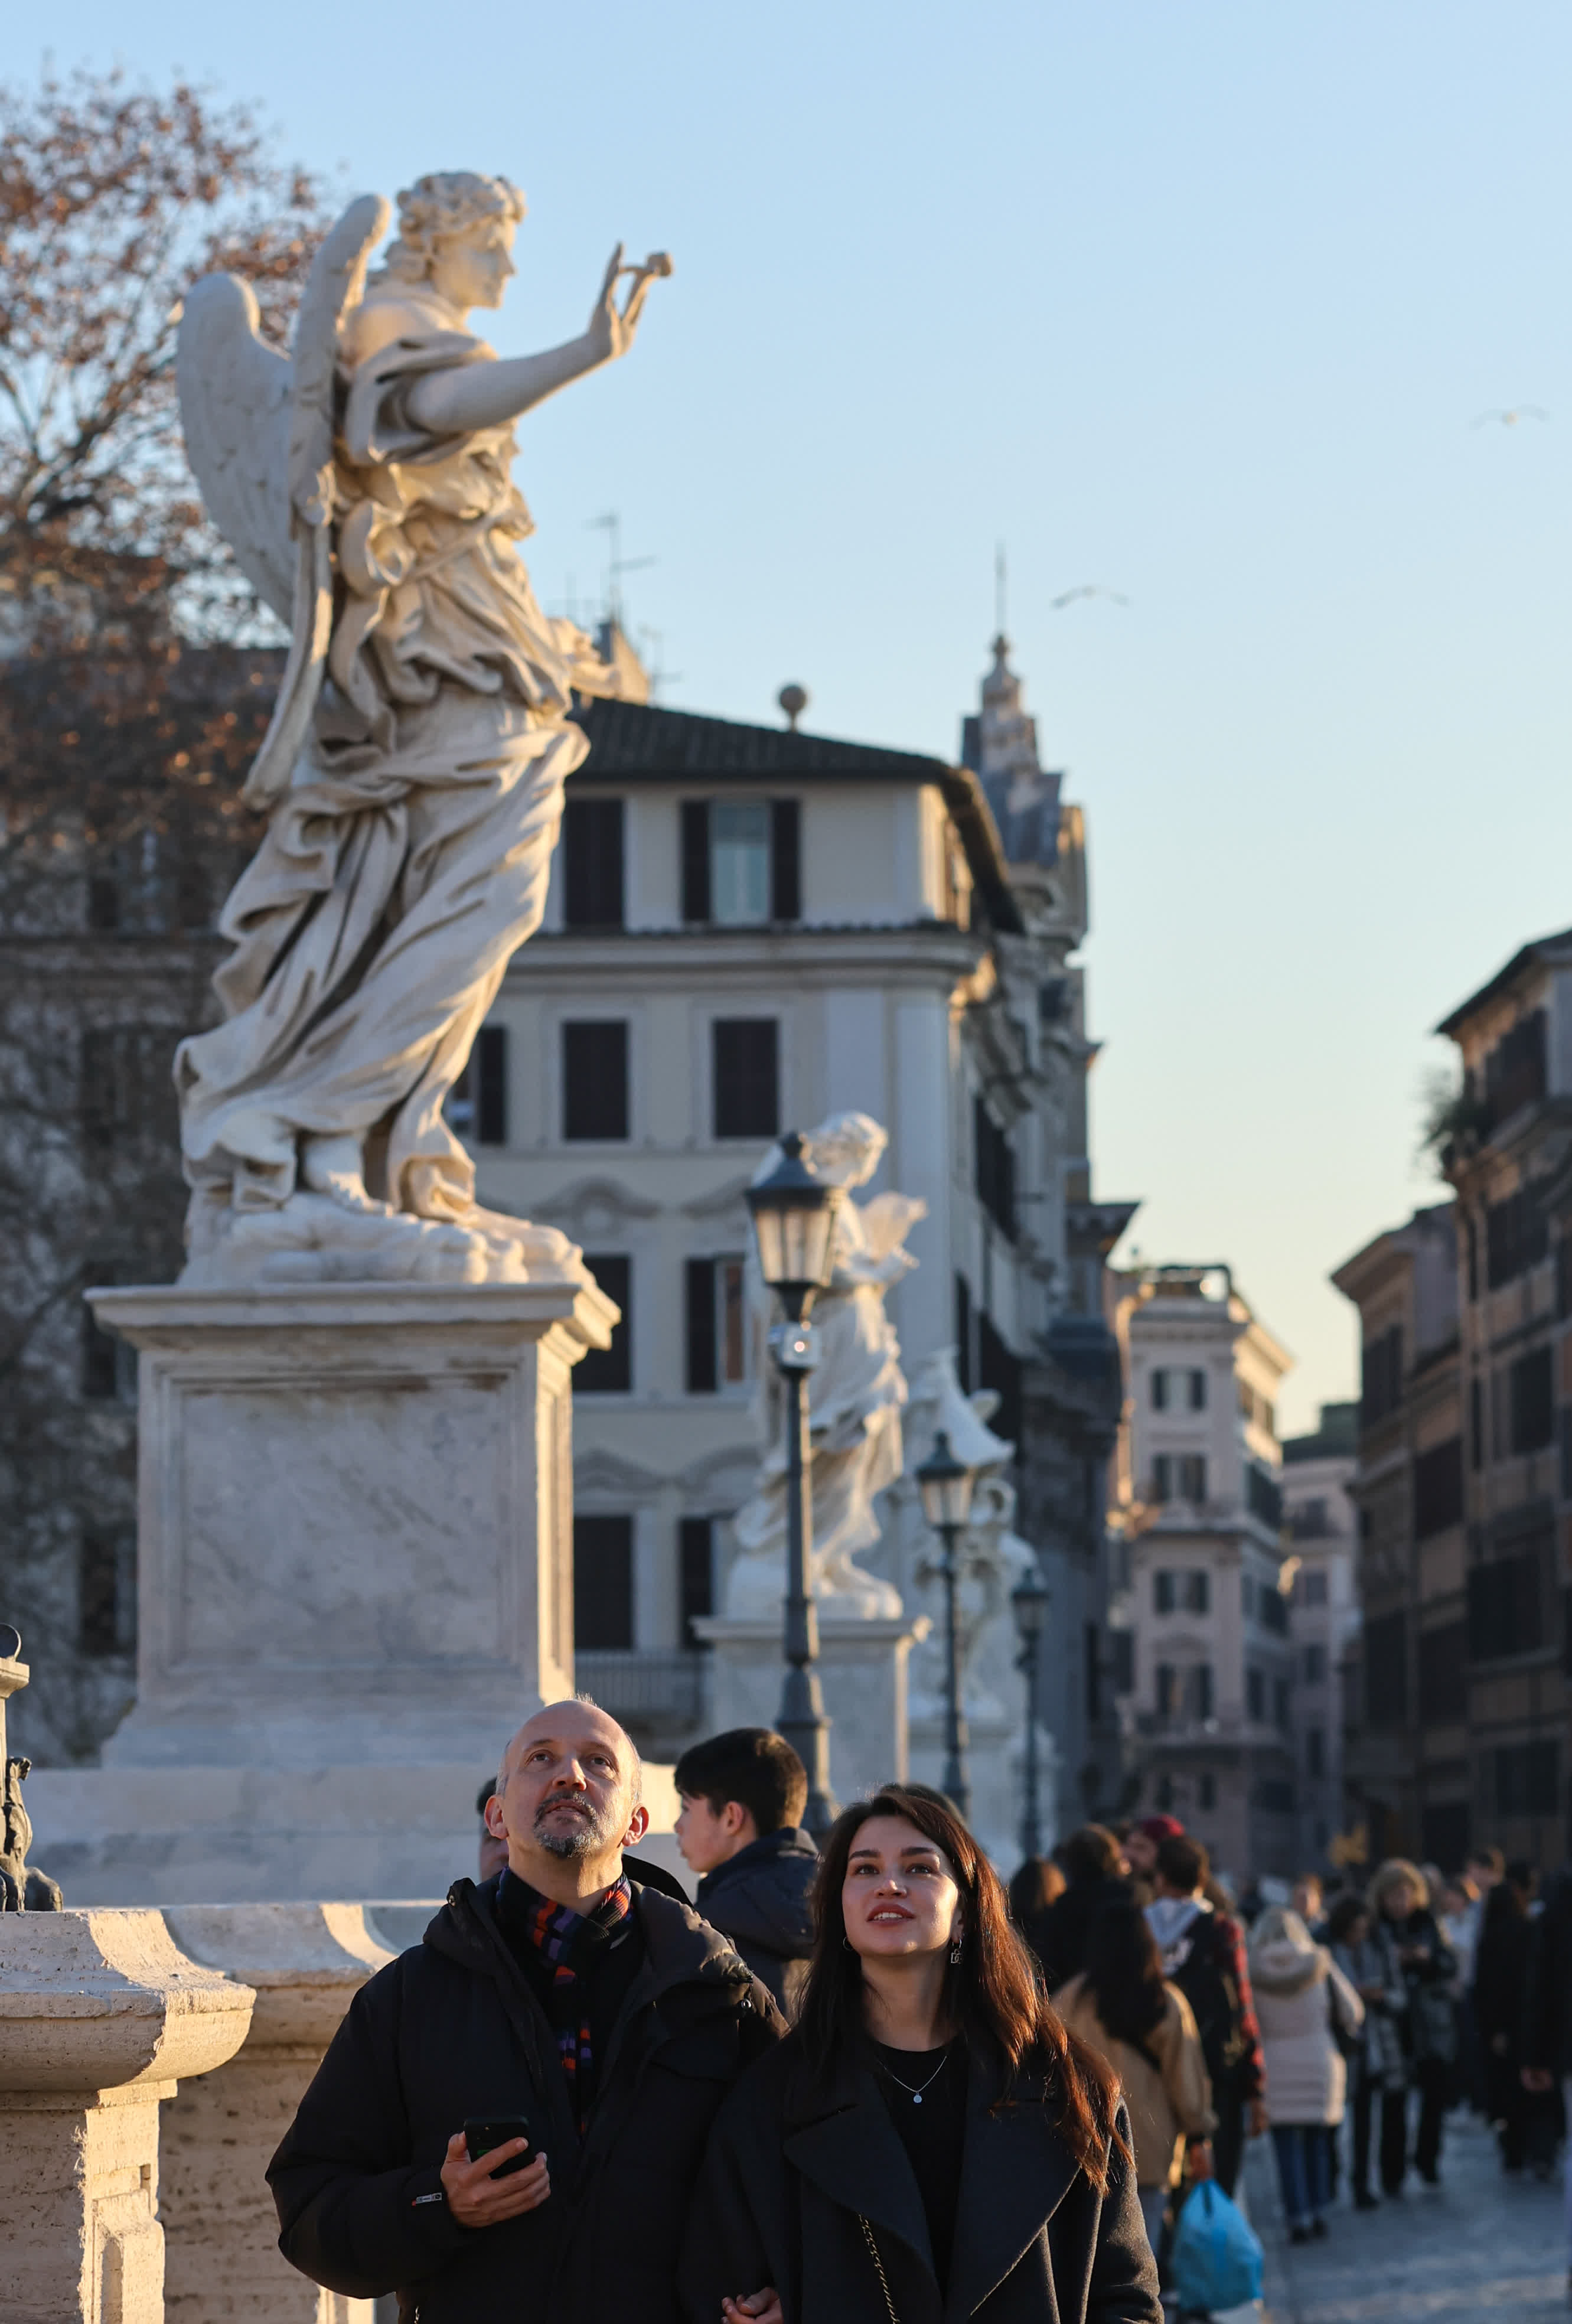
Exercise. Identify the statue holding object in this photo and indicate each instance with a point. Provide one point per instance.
(413, 771)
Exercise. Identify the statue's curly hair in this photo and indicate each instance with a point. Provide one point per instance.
(446, 204)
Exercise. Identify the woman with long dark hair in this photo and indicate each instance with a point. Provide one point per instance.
(929, 2136)
(1121, 2007)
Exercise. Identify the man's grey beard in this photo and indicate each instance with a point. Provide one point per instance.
(588, 1838)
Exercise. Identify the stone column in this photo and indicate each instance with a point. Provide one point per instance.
(100, 2015)
(306, 1963)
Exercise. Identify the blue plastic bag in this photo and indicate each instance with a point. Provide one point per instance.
(1215, 2260)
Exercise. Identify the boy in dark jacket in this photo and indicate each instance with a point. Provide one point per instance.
(605, 2014)
(742, 1793)
(1203, 1954)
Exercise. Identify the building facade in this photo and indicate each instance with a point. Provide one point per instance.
(1320, 1522)
(750, 930)
(1207, 1672)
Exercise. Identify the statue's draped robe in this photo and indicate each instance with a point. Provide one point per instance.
(409, 858)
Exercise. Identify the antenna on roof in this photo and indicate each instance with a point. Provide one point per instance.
(1000, 590)
(616, 563)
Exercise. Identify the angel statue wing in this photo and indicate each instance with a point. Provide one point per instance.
(258, 436)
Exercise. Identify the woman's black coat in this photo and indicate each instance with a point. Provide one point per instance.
(790, 2166)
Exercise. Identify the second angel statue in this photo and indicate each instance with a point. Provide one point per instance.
(413, 771)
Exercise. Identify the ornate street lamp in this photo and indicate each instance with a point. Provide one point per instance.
(1029, 1603)
(945, 1484)
(793, 1214)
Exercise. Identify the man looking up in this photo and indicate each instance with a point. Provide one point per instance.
(742, 1794)
(604, 2012)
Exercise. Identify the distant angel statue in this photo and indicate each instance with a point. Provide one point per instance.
(855, 1397)
(413, 770)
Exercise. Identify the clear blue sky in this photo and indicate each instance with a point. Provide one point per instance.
(1198, 302)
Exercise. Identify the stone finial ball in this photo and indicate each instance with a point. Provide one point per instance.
(794, 701)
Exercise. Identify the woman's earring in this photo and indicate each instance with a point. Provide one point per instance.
(848, 1943)
(955, 1954)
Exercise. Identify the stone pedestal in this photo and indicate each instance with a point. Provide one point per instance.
(99, 2017)
(862, 1670)
(306, 1963)
(355, 1579)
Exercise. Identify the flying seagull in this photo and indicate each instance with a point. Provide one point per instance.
(1510, 418)
(1086, 589)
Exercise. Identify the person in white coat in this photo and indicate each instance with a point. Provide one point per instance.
(1304, 2002)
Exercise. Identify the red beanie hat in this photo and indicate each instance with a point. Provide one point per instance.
(1159, 1827)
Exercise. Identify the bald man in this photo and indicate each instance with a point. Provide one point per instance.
(563, 1990)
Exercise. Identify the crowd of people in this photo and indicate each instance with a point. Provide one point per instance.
(860, 2081)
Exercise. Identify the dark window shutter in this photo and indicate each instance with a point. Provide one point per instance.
(701, 1306)
(747, 1076)
(696, 1573)
(608, 1371)
(697, 860)
(786, 884)
(491, 1073)
(592, 838)
(963, 1334)
(594, 1080)
(602, 1585)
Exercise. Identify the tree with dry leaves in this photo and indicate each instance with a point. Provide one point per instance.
(137, 674)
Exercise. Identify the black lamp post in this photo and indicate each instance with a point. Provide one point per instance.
(793, 1214)
(1029, 1602)
(946, 1484)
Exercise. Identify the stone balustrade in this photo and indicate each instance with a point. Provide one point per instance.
(101, 2016)
(306, 1963)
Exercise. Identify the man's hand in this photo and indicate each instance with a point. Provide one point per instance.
(1536, 2079)
(754, 2308)
(477, 2199)
(1199, 2161)
(1259, 2118)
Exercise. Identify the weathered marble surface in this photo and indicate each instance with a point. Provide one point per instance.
(855, 1396)
(100, 2015)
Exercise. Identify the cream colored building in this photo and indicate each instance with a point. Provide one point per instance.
(1321, 1524)
(1208, 1671)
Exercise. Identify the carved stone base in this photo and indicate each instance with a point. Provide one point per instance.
(862, 1671)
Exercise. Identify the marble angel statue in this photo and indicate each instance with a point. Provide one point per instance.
(855, 1396)
(413, 771)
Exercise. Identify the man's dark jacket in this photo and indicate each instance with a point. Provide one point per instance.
(1546, 2027)
(794, 2168)
(762, 1899)
(452, 2029)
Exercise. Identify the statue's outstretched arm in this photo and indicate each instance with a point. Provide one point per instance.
(486, 395)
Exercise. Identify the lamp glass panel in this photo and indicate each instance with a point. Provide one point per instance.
(767, 1230)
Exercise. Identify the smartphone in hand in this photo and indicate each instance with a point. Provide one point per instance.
(481, 2133)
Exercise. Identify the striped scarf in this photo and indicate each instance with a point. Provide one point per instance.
(566, 1939)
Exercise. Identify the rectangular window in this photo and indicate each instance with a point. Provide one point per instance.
(1123, 1643)
(1207, 1795)
(1163, 1478)
(745, 1055)
(1315, 1665)
(1443, 1675)
(1438, 1488)
(993, 1163)
(1515, 1069)
(127, 1090)
(1528, 1778)
(741, 862)
(717, 1324)
(1531, 1401)
(696, 1573)
(1313, 1589)
(1167, 1683)
(1001, 1369)
(1197, 1391)
(603, 1583)
(1517, 1236)
(477, 1106)
(1507, 1613)
(1315, 1751)
(592, 853)
(1197, 1691)
(1386, 1671)
(1198, 1593)
(1256, 1694)
(608, 1371)
(1381, 1376)
(1247, 1596)
(1446, 1832)
(1192, 1478)
(1165, 1597)
(594, 1080)
(1263, 1496)
(1160, 1391)
(1280, 1703)
(1273, 1608)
